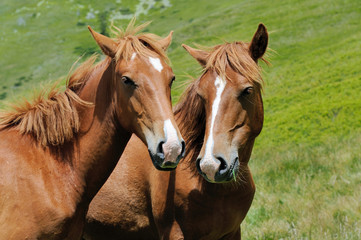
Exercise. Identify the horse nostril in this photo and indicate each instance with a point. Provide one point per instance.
(160, 148)
(223, 167)
(198, 164)
(183, 149)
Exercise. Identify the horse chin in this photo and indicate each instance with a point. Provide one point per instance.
(169, 168)
(159, 164)
(227, 180)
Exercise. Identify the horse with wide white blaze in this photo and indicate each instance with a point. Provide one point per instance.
(57, 152)
(209, 194)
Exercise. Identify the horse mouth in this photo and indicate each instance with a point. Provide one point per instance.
(160, 164)
(233, 171)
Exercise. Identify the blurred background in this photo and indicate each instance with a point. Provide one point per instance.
(307, 161)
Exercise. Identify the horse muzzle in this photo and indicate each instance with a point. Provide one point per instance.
(217, 169)
(167, 154)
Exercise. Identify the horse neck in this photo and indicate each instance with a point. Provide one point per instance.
(101, 140)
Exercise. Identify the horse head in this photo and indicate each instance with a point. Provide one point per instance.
(141, 82)
(230, 88)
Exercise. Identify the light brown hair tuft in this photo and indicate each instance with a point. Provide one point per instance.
(130, 41)
(235, 55)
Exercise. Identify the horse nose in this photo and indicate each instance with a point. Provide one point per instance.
(208, 167)
(198, 165)
(226, 172)
(223, 170)
(217, 169)
(223, 167)
(183, 152)
(160, 152)
(173, 150)
(157, 155)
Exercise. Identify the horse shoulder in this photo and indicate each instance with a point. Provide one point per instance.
(32, 200)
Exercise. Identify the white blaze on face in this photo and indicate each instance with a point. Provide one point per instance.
(133, 56)
(156, 63)
(208, 165)
(172, 147)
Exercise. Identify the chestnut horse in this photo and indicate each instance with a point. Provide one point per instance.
(57, 152)
(219, 116)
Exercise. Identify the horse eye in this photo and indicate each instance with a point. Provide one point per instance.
(128, 81)
(145, 43)
(247, 91)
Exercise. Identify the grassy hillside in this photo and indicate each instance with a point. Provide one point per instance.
(307, 160)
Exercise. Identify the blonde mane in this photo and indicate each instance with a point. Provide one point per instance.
(236, 55)
(51, 117)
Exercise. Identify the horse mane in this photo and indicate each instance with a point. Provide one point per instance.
(190, 116)
(51, 116)
(130, 41)
(237, 56)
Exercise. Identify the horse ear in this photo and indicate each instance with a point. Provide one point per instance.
(200, 55)
(107, 45)
(259, 42)
(165, 42)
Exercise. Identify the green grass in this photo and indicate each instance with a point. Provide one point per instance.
(307, 192)
(307, 160)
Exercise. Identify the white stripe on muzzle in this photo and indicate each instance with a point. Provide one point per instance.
(172, 147)
(209, 165)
